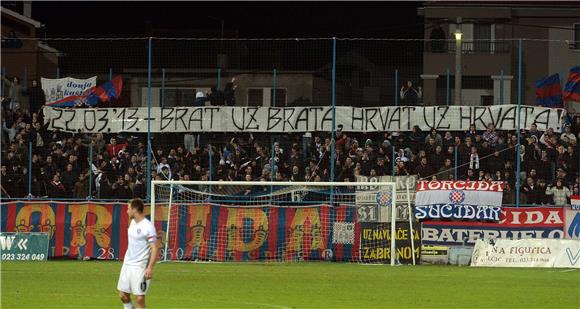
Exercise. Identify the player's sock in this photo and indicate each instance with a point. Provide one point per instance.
(128, 305)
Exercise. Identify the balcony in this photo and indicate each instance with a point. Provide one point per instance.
(468, 47)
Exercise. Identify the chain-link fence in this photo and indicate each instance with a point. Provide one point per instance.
(372, 91)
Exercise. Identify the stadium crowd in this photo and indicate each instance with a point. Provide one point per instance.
(62, 168)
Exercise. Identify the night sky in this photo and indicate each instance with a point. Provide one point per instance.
(249, 19)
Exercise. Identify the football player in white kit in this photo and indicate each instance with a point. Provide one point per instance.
(137, 269)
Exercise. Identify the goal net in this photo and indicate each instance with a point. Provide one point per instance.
(276, 221)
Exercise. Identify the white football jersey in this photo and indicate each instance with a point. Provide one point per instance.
(140, 235)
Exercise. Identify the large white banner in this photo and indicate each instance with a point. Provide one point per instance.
(556, 253)
(58, 89)
(300, 119)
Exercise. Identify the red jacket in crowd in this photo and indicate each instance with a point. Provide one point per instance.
(113, 150)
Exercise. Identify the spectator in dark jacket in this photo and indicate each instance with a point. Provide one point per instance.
(56, 189)
(81, 187)
(36, 97)
(230, 94)
(424, 170)
(495, 162)
(445, 171)
(532, 191)
(216, 97)
(69, 178)
(140, 188)
(410, 95)
(121, 189)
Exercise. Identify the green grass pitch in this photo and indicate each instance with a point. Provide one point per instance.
(92, 284)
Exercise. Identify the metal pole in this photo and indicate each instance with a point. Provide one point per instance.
(273, 138)
(29, 169)
(411, 219)
(57, 72)
(168, 220)
(273, 104)
(518, 164)
(393, 158)
(393, 225)
(396, 87)
(210, 153)
(501, 86)
(447, 88)
(456, 156)
(458, 73)
(332, 150)
(162, 87)
(110, 73)
(90, 171)
(3, 76)
(209, 176)
(149, 148)
(219, 78)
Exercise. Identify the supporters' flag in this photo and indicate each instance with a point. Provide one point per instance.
(65, 92)
(106, 92)
(467, 200)
(70, 101)
(91, 97)
(549, 91)
(572, 89)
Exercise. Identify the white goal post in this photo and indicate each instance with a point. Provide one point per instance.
(280, 221)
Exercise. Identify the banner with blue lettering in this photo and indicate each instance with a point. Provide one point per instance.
(197, 232)
(514, 223)
(460, 200)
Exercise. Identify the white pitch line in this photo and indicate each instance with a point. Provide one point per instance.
(165, 297)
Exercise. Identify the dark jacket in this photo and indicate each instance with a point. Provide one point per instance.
(36, 99)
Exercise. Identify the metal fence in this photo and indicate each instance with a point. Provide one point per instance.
(169, 72)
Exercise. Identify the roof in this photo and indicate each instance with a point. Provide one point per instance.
(21, 17)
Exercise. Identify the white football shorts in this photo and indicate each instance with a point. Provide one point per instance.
(132, 280)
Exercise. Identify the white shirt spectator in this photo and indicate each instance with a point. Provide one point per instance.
(568, 138)
(161, 165)
(560, 195)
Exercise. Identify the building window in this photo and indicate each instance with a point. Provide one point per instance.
(255, 97)
(280, 96)
(486, 100)
(482, 38)
(476, 82)
(171, 97)
(477, 37)
(265, 97)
